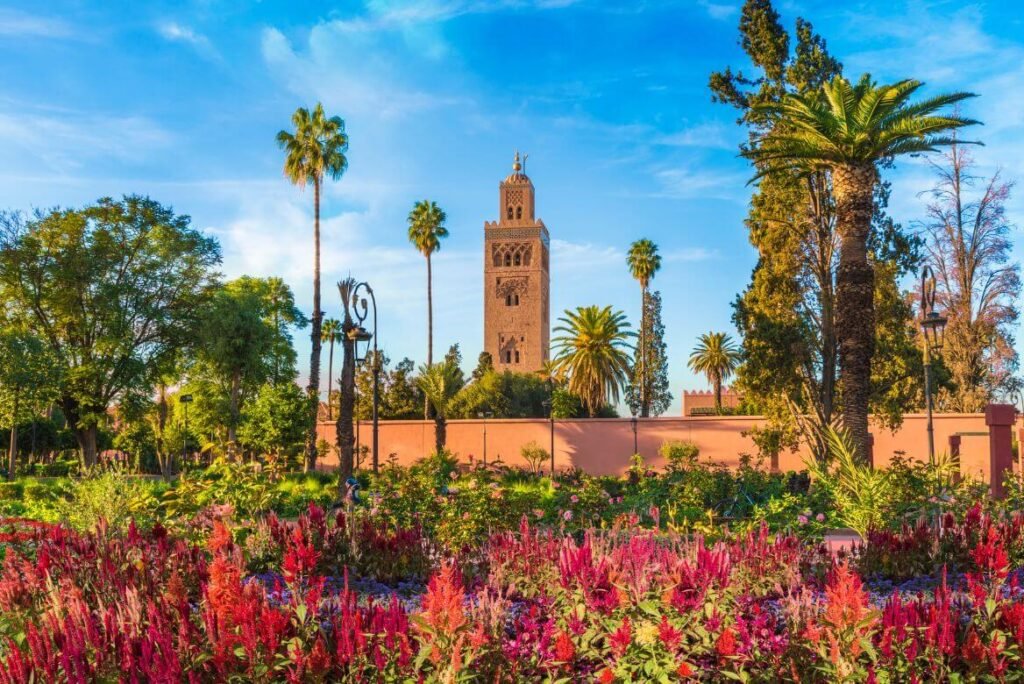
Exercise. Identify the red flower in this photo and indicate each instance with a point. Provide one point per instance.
(442, 604)
(606, 676)
(564, 648)
(974, 650)
(684, 670)
(847, 599)
(725, 646)
(670, 636)
(621, 638)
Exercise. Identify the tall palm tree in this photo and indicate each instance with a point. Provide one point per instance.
(440, 383)
(315, 150)
(644, 262)
(426, 230)
(847, 129)
(717, 357)
(593, 353)
(330, 333)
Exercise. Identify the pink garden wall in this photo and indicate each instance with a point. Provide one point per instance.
(604, 446)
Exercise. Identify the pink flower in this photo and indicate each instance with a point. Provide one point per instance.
(820, 517)
(574, 498)
(538, 513)
(453, 475)
(802, 519)
(567, 515)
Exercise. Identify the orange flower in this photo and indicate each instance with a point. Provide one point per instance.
(442, 604)
(684, 670)
(220, 538)
(725, 646)
(847, 600)
(564, 648)
(606, 676)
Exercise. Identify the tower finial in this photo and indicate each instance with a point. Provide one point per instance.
(516, 166)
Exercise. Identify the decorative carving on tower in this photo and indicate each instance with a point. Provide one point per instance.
(517, 318)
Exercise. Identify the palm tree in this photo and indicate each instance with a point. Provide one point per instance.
(440, 383)
(644, 262)
(426, 230)
(593, 354)
(846, 130)
(315, 150)
(330, 333)
(717, 357)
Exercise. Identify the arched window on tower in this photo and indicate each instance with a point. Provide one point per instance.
(519, 212)
(515, 300)
(519, 259)
(517, 356)
(508, 259)
(508, 300)
(508, 357)
(510, 211)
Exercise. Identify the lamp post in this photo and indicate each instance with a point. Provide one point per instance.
(550, 408)
(359, 304)
(633, 423)
(185, 400)
(485, 415)
(933, 326)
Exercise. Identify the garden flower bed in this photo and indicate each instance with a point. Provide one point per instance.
(534, 604)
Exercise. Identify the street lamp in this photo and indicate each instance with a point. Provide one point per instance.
(185, 400)
(549, 407)
(359, 304)
(933, 327)
(485, 415)
(633, 423)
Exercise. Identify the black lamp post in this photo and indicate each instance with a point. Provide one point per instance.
(933, 326)
(185, 400)
(359, 304)
(485, 415)
(550, 408)
(633, 423)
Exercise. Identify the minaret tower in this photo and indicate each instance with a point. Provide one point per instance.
(517, 282)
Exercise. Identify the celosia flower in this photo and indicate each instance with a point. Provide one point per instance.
(669, 635)
(684, 670)
(442, 604)
(620, 639)
(725, 645)
(606, 676)
(564, 648)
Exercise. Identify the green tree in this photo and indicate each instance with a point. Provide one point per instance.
(275, 421)
(644, 262)
(592, 352)
(652, 367)
(440, 384)
(504, 395)
(717, 357)
(484, 365)
(112, 289)
(314, 151)
(330, 333)
(400, 397)
(28, 384)
(848, 130)
(426, 230)
(240, 348)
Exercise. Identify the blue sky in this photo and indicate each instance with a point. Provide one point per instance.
(182, 100)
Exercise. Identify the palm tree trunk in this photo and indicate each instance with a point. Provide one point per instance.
(14, 435)
(233, 402)
(718, 394)
(430, 330)
(440, 434)
(344, 427)
(853, 189)
(314, 357)
(330, 378)
(644, 400)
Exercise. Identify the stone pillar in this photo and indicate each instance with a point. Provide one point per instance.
(1000, 419)
(954, 454)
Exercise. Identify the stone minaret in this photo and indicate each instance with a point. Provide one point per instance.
(517, 310)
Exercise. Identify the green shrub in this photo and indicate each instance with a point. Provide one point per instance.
(11, 491)
(535, 455)
(679, 454)
(110, 496)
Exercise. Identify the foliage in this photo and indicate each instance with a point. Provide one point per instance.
(400, 396)
(592, 353)
(535, 455)
(440, 383)
(108, 500)
(113, 290)
(502, 395)
(860, 492)
(654, 361)
(275, 423)
(969, 247)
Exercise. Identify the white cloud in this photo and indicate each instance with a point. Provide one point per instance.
(720, 11)
(178, 33)
(687, 182)
(713, 134)
(15, 24)
(68, 139)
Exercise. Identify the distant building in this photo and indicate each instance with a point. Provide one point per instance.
(702, 402)
(517, 281)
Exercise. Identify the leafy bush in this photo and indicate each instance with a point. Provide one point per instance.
(112, 498)
(535, 455)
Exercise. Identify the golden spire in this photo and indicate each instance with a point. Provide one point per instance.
(516, 166)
